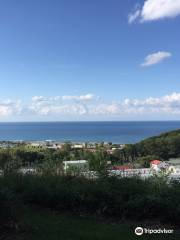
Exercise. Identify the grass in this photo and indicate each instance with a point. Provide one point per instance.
(45, 224)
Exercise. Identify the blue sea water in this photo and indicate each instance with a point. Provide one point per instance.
(116, 132)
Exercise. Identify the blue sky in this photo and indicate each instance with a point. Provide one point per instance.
(89, 60)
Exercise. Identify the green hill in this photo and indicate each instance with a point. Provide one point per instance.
(164, 146)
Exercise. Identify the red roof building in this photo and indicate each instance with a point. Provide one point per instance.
(155, 162)
(122, 168)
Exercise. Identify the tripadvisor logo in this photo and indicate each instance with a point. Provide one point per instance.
(139, 231)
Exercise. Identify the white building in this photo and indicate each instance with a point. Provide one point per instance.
(78, 146)
(174, 165)
(76, 166)
(36, 144)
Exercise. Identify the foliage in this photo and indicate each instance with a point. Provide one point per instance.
(145, 161)
(126, 198)
(44, 224)
(163, 147)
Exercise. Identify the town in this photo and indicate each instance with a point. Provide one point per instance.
(82, 166)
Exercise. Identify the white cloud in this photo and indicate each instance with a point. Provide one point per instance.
(169, 104)
(86, 97)
(61, 105)
(55, 108)
(154, 10)
(133, 16)
(155, 58)
(107, 109)
(58, 110)
(9, 107)
(45, 99)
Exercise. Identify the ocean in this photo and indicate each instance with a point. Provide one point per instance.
(116, 132)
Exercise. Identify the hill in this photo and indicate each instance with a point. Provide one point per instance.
(163, 147)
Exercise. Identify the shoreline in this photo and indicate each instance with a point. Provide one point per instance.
(53, 144)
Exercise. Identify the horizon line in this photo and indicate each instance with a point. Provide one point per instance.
(76, 121)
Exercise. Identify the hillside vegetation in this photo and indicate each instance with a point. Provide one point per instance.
(163, 147)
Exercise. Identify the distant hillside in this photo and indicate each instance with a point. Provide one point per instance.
(165, 135)
(164, 146)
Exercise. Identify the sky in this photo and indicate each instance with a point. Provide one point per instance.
(66, 60)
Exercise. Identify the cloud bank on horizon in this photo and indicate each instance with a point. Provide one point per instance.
(153, 10)
(90, 105)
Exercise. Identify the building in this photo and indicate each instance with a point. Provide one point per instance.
(78, 146)
(75, 166)
(36, 144)
(171, 167)
(174, 165)
(154, 164)
(121, 168)
(174, 162)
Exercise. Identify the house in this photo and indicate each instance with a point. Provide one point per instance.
(155, 162)
(168, 167)
(121, 168)
(37, 144)
(49, 143)
(78, 146)
(128, 171)
(154, 165)
(75, 166)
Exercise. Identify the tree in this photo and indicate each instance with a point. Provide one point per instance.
(145, 161)
(99, 163)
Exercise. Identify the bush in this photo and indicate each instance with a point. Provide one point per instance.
(125, 198)
(9, 209)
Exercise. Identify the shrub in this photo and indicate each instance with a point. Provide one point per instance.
(127, 198)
